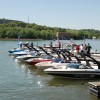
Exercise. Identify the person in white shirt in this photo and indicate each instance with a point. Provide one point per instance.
(81, 48)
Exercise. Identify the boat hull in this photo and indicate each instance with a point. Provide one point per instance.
(75, 74)
(33, 62)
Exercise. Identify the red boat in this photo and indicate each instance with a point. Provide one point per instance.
(45, 58)
(33, 62)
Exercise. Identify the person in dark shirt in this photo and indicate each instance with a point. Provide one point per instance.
(31, 44)
(51, 44)
(59, 45)
(89, 48)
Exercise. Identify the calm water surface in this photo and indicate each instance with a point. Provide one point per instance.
(19, 81)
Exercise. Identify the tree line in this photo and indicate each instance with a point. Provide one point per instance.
(11, 28)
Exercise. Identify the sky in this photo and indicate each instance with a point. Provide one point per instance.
(72, 14)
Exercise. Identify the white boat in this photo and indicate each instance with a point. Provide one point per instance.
(29, 56)
(74, 70)
(15, 50)
(60, 61)
(25, 52)
(55, 62)
(43, 58)
(77, 70)
(24, 57)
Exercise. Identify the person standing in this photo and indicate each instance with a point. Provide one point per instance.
(72, 47)
(20, 45)
(89, 48)
(51, 44)
(31, 44)
(81, 48)
(77, 48)
(85, 48)
(59, 45)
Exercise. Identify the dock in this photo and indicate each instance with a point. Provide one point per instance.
(95, 88)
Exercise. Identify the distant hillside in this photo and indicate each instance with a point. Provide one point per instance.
(11, 28)
(2, 21)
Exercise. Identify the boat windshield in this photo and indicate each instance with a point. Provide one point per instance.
(57, 60)
(47, 57)
(73, 65)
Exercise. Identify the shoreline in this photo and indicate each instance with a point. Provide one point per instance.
(15, 39)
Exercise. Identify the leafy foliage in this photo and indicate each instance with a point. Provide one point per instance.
(11, 28)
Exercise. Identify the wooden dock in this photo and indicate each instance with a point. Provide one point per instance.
(95, 88)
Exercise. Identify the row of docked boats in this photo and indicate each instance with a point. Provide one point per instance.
(60, 62)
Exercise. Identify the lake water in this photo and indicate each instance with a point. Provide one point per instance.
(19, 81)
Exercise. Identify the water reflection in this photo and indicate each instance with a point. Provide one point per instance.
(33, 74)
(72, 86)
(62, 81)
(29, 68)
(12, 56)
(50, 80)
(43, 82)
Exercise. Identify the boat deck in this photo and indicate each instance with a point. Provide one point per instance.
(95, 88)
(95, 84)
